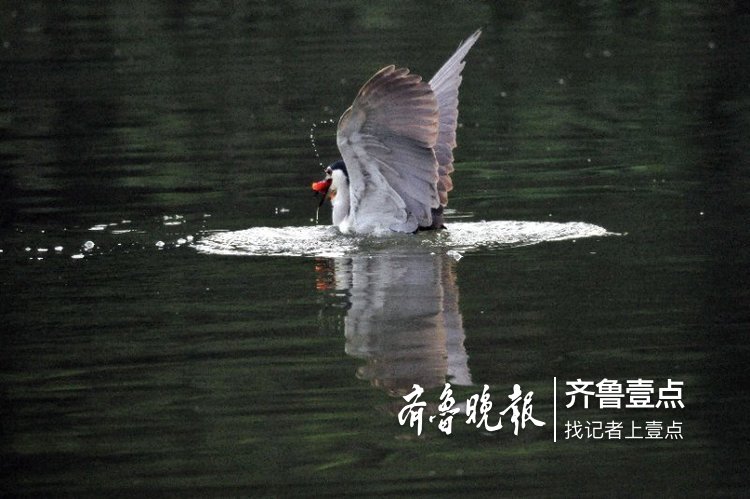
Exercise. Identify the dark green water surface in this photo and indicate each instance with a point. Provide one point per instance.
(140, 365)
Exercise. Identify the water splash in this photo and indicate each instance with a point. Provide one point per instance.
(312, 137)
(327, 241)
(164, 232)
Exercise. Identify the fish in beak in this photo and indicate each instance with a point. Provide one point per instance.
(335, 184)
(322, 187)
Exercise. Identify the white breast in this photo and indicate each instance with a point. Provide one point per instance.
(340, 202)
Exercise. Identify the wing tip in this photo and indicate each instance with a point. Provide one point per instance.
(470, 41)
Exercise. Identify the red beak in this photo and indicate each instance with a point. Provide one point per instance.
(322, 186)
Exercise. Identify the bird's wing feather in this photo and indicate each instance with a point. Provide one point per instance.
(386, 139)
(445, 84)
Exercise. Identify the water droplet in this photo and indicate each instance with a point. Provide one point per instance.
(88, 245)
(189, 238)
(455, 255)
(77, 256)
(159, 244)
(58, 248)
(181, 240)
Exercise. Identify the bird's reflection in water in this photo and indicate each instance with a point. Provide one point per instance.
(402, 318)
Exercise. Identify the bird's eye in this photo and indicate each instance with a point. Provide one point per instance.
(328, 171)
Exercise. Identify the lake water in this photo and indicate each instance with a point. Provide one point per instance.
(155, 156)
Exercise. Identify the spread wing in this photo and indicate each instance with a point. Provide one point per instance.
(386, 139)
(445, 85)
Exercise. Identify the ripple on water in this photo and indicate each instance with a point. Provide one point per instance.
(110, 238)
(327, 241)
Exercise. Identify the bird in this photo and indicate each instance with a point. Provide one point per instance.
(396, 143)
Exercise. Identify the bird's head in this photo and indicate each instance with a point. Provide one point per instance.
(336, 178)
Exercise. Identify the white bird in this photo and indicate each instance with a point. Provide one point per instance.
(397, 142)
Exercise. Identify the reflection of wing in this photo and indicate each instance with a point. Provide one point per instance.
(458, 360)
(445, 85)
(386, 140)
(404, 320)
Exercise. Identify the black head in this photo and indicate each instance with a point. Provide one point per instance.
(337, 165)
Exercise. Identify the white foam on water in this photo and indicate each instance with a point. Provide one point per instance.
(313, 240)
(473, 235)
(327, 241)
